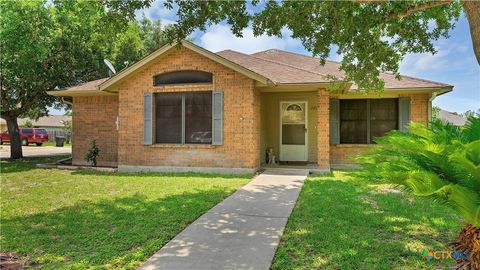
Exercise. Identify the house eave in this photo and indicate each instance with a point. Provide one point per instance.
(77, 93)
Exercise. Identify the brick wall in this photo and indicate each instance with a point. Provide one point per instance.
(323, 129)
(419, 107)
(343, 153)
(241, 146)
(94, 118)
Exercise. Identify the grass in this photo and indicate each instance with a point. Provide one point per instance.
(342, 222)
(61, 219)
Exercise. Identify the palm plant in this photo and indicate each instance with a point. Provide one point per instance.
(440, 161)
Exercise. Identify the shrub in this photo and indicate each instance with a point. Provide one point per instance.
(93, 153)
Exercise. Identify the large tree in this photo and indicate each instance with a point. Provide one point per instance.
(47, 45)
(373, 36)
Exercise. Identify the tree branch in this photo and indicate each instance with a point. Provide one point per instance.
(418, 7)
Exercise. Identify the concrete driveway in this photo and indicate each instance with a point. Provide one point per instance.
(37, 151)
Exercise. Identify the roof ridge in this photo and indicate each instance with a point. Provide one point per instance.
(278, 63)
(297, 54)
(283, 64)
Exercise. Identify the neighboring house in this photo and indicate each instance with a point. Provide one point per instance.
(188, 109)
(3, 125)
(54, 124)
(452, 118)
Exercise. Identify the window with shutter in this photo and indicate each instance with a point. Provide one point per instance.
(334, 121)
(148, 119)
(363, 120)
(217, 118)
(184, 118)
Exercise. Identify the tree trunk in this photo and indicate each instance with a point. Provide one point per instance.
(14, 134)
(468, 243)
(472, 10)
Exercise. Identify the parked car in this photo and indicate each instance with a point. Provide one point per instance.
(27, 136)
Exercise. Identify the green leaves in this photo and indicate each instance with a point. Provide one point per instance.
(440, 161)
(372, 37)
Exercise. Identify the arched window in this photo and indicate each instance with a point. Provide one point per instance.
(182, 77)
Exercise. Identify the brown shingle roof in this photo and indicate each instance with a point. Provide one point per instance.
(333, 68)
(452, 118)
(91, 85)
(46, 121)
(282, 67)
(276, 72)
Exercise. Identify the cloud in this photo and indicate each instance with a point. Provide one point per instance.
(417, 63)
(219, 37)
(158, 11)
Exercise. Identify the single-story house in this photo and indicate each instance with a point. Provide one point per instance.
(184, 108)
(53, 124)
(452, 118)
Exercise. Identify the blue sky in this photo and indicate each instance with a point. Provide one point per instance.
(454, 63)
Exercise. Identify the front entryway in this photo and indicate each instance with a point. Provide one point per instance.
(293, 131)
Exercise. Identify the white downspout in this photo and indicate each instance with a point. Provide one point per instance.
(434, 95)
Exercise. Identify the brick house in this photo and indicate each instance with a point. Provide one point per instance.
(184, 108)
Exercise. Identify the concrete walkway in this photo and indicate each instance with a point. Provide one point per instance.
(242, 232)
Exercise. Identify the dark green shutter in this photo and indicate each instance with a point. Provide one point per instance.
(403, 113)
(217, 118)
(334, 121)
(148, 119)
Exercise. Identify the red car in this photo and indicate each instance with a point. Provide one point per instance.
(27, 136)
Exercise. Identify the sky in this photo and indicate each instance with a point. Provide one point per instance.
(454, 63)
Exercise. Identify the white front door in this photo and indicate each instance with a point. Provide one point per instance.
(293, 131)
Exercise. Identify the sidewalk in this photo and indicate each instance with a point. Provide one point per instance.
(242, 232)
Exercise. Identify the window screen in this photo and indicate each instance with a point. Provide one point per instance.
(353, 121)
(168, 116)
(184, 118)
(182, 77)
(198, 118)
(383, 116)
(363, 120)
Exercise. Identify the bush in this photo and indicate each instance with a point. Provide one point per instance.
(93, 153)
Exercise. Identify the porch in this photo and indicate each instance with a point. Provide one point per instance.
(295, 126)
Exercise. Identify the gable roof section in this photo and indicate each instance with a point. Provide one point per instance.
(101, 86)
(278, 73)
(270, 67)
(187, 44)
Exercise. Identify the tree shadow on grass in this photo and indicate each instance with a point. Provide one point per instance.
(118, 233)
(26, 164)
(338, 224)
(159, 174)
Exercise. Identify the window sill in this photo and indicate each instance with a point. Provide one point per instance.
(184, 146)
(352, 145)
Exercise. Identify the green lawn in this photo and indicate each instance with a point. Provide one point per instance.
(76, 220)
(342, 222)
